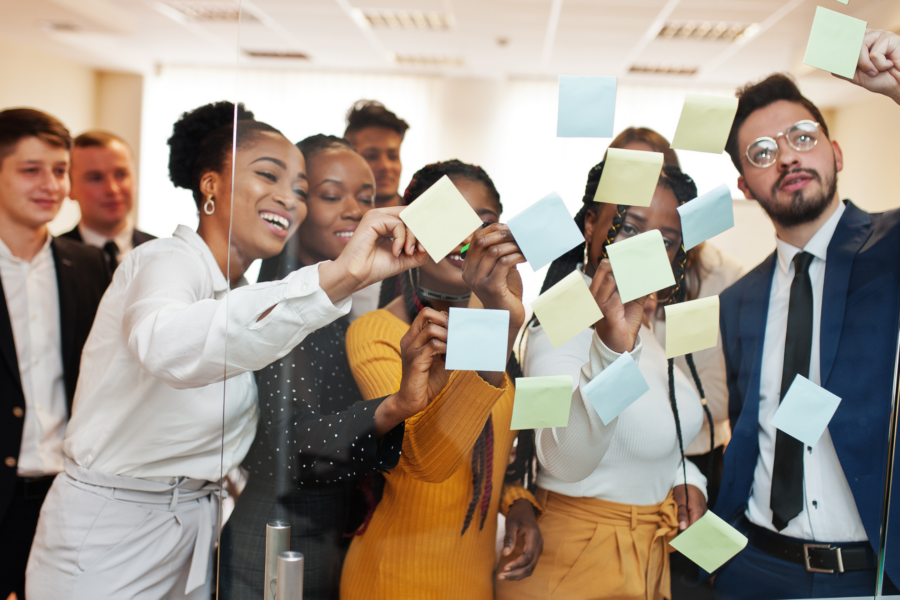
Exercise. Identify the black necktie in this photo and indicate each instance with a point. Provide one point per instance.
(112, 254)
(787, 472)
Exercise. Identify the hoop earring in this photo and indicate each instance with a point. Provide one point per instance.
(209, 207)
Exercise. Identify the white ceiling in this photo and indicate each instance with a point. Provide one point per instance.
(490, 38)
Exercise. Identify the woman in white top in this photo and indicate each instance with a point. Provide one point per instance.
(166, 401)
(615, 494)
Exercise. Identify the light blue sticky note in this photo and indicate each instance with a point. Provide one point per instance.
(805, 411)
(545, 231)
(616, 388)
(587, 106)
(706, 216)
(477, 339)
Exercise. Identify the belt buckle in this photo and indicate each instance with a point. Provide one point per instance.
(810, 569)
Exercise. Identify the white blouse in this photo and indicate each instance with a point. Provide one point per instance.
(154, 398)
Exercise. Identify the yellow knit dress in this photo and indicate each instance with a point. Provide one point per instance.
(413, 547)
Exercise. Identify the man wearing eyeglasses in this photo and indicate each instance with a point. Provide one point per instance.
(824, 306)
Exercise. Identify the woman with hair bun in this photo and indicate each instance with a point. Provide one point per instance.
(166, 401)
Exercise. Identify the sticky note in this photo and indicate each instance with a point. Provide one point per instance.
(705, 123)
(440, 218)
(692, 326)
(541, 402)
(844, 1)
(640, 265)
(616, 388)
(706, 216)
(566, 309)
(545, 231)
(587, 106)
(805, 411)
(710, 542)
(477, 339)
(629, 177)
(835, 42)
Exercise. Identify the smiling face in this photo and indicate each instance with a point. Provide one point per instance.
(33, 183)
(103, 185)
(800, 186)
(380, 147)
(341, 191)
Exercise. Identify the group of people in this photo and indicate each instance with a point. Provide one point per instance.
(136, 373)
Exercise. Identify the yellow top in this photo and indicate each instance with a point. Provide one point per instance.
(413, 547)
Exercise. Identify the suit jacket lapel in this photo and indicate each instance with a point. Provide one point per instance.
(68, 310)
(7, 341)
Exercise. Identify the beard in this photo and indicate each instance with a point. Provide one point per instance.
(802, 207)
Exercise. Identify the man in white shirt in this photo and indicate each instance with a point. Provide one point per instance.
(49, 292)
(824, 306)
(103, 184)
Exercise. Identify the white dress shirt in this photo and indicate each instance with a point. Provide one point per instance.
(633, 460)
(829, 513)
(32, 298)
(365, 300)
(154, 398)
(124, 239)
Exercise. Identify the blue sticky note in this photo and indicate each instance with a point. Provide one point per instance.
(616, 388)
(706, 216)
(545, 231)
(805, 411)
(477, 339)
(587, 106)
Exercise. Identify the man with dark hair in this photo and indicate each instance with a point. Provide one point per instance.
(49, 292)
(103, 184)
(377, 133)
(824, 306)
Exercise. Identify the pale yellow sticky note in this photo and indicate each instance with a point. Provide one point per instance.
(566, 309)
(629, 177)
(692, 326)
(641, 265)
(441, 218)
(705, 123)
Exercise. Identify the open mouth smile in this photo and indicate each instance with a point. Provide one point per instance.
(278, 224)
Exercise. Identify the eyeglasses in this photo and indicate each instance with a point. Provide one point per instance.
(802, 137)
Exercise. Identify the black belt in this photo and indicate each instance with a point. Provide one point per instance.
(34, 488)
(817, 558)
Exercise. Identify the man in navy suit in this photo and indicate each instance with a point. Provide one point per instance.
(825, 306)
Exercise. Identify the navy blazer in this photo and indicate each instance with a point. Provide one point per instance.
(137, 237)
(859, 326)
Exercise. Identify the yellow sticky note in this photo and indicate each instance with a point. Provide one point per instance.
(566, 309)
(629, 177)
(441, 218)
(692, 326)
(705, 123)
(641, 265)
(710, 542)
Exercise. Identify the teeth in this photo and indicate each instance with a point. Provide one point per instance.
(276, 220)
(344, 234)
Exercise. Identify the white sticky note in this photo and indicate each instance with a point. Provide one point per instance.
(477, 339)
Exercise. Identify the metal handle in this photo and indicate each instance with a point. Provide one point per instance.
(290, 576)
(278, 540)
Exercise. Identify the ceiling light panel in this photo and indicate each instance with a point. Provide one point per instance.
(704, 30)
(206, 11)
(406, 20)
(414, 60)
(661, 69)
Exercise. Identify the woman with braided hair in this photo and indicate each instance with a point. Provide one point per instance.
(433, 534)
(615, 494)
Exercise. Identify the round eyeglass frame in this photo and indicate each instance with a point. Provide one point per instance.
(787, 138)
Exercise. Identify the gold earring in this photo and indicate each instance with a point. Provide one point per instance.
(584, 264)
(209, 207)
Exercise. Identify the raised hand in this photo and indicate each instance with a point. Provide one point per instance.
(621, 323)
(424, 375)
(490, 271)
(878, 69)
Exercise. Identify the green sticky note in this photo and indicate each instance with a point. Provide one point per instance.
(844, 1)
(640, 265)
(541, 402)
(629, 177)
(705, 123)
(566, 309)
(692, 326)
(441, 218)
(835, 42)
(710, 542)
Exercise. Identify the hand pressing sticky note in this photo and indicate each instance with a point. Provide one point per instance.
(640, 265)
(629, 177)
(545, 231)
(705, 123)
(616, 388)
(805, 411)
(440, 218)
(706, 216)
(835, 42)
(710, 542)
(566, 309)
(587, 106)
(692, 326)
(541, 402)
(477, 339)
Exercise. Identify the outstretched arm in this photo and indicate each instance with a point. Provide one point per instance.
(878, 69)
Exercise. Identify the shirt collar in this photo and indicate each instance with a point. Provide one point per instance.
(6, 253)
(192, 239)
(817, 245)
(95, 238)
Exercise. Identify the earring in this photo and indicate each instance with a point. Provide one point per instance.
(209, 207)
(584, 264)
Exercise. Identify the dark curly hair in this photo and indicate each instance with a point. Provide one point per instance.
(319, 143)
(371, 113)
(202, 140)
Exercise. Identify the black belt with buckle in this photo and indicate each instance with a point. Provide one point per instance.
(34, 488)
(817, 558)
